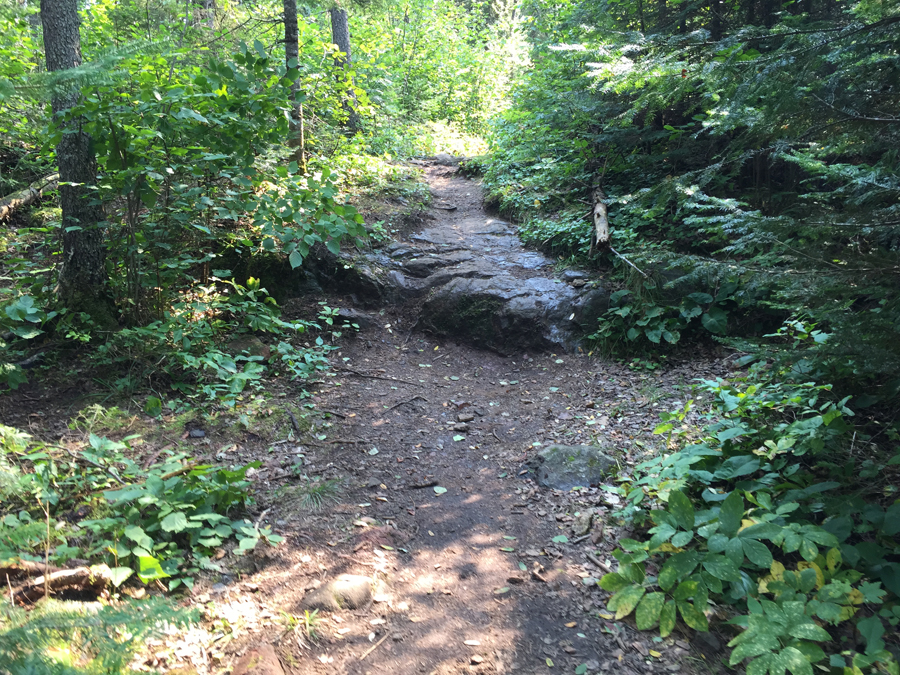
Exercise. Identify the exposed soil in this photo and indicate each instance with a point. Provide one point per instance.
(469, 577)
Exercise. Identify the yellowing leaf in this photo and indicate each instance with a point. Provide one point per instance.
(856, 597)
(655, 654)
(777, 570)
(604, 615)
(572, 624)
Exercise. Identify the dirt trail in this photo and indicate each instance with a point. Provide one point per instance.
(477, 562)
(488, 559)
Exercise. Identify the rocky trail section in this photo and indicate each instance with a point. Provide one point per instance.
(471, 278)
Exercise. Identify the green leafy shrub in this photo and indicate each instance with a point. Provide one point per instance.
(162, 522)
(765, 513)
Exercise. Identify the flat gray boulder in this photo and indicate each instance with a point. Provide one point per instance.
(563, 467)
(347, 591)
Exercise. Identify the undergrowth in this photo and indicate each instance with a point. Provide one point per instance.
(779, 519)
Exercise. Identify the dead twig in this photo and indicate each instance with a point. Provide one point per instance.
(599, 563)
(294, 422)
(397, 405)
(335, 413)
(374, 647)
(422, 486)
(378, 377)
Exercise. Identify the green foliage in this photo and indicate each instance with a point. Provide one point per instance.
(162, 522)
(634, 326)
(765, 512)
(731, 147)
(65, 638)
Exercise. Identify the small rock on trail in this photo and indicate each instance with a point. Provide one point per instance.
(563, 467)
(348, 591)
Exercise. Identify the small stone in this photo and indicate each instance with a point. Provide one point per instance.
(347, 591)
(582, 523)
(196, 433)
(465, 417)
(578, 283)
(260, 660)
(460, 426)
(475, 659)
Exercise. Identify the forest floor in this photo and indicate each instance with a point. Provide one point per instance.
(476, 568)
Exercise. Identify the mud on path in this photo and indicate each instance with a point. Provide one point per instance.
(477, 569)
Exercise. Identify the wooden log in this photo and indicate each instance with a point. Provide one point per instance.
(92, 579)
(24, 568)
(27, 196)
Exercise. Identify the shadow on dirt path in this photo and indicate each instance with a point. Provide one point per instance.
(478, 570)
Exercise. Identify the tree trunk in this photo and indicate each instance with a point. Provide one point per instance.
(292, 60)
(83, 281)
(716, 8)
(661, 15)
(340, 35)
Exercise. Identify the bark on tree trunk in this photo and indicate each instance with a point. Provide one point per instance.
(340, 35)
(716, 27)
(292, 59)
(83, 281)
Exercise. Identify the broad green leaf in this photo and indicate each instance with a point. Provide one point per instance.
(791, 659)
(715, 320)
(682, 539)
(758, 553)
(667, 619)
(685, 590)
(871, 629)
(760, 637)
(118, 575)
(721, 568)
(693, 617)
(677, 568)
(624, 602)
(648, 610)
(681, 509)
(730, 514)
(150, 569)
(734, 551)
(717, 543)
(613, 582)
(174, 522)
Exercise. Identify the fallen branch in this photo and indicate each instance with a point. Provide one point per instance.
(378, 377)
(93, 579)
(375, 646)
(422, 486)
(397, 405)
(599, 563)
(27, 196)
(629, 262)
